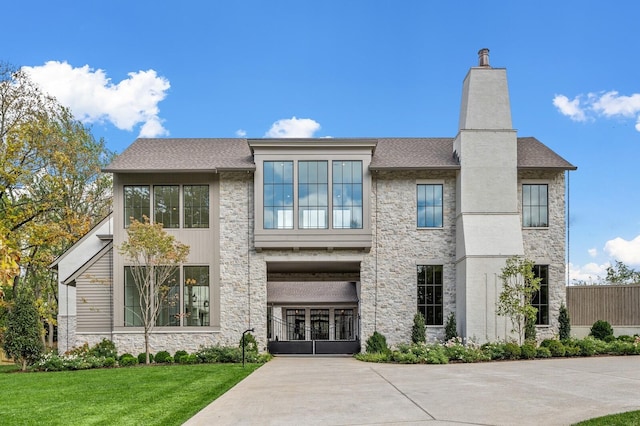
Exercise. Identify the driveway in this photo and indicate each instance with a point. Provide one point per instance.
(344, 391)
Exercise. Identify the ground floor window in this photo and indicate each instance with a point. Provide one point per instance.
(343, 322)
(540, 299)
(295, 324)
(183, 302)
(430, 297)
(319, 324)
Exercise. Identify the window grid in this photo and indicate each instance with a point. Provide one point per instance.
(169, 310)
(132, 307)
(136, 203)
(313, 199)
(430, 297)
(166, 205)
(197, 302)
(347, 194)
(535, 206)
(196, 206)
(429, 205)
(540, 299)
(278, 195)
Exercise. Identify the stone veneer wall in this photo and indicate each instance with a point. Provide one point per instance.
(389, 274)
(547, 245)
(66, 332)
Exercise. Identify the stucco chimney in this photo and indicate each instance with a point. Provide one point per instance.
(483, 58)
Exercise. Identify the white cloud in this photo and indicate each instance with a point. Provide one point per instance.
(591, 273)
(609, 105)
(293, 128)
(569, 108)
(241, 133)
(593, 252)
(627, 252)
(92, 97)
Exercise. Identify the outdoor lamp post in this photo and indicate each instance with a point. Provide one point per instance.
(250, 330)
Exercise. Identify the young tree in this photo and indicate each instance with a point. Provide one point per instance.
(22, 339)
(519, 285)
(154, 256)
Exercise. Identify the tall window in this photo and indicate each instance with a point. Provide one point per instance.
(347, 194)
(278, 194)
(319, 324)
(535, 206)
(313, 198)
(540, 299)
(136, 203)
(429, 206)
(169, 310)
(132, 306)
(166, 209)
(343, 322)
(196, 206)
(196, 295)
(430, 299)
(295, 324)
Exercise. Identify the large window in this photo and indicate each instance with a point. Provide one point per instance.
(196, 206)
(535, 206)
(136, 203)
(429, 200)
(319, 324)
(313, 198)
(196, 295)
(540, 299)
(193, 310)
(430, 298)
(166, 209)
(295, 324)
(278, 194)
(343, 322)
(347, 194)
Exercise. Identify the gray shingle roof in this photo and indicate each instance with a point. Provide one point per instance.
(188, 155)
(311, 292)
(192, 155)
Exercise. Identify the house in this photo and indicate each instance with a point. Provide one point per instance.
(317, 243)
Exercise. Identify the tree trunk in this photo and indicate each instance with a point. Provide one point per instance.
(146, 345)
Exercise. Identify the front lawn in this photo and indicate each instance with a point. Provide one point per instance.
(622, 419)
(149, 395)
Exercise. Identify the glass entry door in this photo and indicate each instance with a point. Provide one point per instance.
(319, 324)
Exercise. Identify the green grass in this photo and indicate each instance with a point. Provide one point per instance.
(622, 419)
(166, 395)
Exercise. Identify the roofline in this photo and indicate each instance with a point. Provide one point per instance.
(391, 168)
(572, 167)
(217, 170)
(54, 264)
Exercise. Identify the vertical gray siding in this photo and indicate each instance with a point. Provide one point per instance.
(94, 296)
(617, 304)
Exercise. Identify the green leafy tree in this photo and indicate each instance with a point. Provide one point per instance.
(418, 330)
(622, 274)
(52, 190)
(155, 257)
(22, 339)
(519, 285)
(565, 323)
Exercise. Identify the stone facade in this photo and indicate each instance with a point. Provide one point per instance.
(66, 332)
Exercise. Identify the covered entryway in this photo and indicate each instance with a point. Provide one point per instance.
(306, 315)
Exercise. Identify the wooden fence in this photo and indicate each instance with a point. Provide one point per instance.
(617, 304)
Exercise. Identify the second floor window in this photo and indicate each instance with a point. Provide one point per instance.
(278, 194)
(535, 206)
(313, 198)
(196, 206)
(347, 194)
(166, 205)
(136, 203)
(429, 203)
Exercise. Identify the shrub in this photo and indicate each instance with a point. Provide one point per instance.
(418, 330)
(436, 355)
(404, 357)
(377, 343)
(543, 352)
(188, 359)
(178, 355)
(163, 357)
(512, 351)
(622, 348)
(142, 358)
(450, 328)
(528, 350)
(571, 350)
(556, 348)
(530, 329)
(224, 354)
(565, 323)
(21, 339)
(601, 329)
(454, 349)
(373, 357)
(127, 360)
(109, 362)
(474, 354)
(587, 346)
(626, 338)
(105, 348)
(494, 351)
(250, 343)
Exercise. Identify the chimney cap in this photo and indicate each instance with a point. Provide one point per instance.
(483, 57)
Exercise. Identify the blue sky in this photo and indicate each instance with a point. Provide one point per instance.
(357, 68)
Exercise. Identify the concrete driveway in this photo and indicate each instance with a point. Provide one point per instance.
(344, 391)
